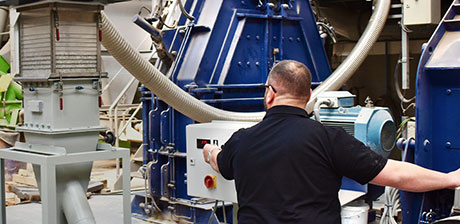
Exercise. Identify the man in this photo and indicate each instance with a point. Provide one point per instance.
(288, 168)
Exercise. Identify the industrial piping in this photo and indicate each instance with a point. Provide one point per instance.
(158, 83)
(348, 67)
(183, 102)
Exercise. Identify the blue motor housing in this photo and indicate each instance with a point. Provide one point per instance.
(374, 126)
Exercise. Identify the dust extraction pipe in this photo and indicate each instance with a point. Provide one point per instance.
(183, 102)
(356, 57)
(158, 83)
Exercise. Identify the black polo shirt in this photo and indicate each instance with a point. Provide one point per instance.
(288, 168)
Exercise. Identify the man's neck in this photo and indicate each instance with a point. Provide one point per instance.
(289, 102)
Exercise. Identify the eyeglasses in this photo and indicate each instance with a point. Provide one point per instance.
(269, 86)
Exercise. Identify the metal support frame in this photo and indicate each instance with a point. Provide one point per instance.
(48, 165)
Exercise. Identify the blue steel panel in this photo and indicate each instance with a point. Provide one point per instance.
(249, 53)
(267, 26)
(437, 127)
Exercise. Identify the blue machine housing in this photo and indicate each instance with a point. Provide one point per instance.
(222, 58)
(437, 120)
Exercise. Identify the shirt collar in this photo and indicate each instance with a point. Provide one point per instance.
(283, 109)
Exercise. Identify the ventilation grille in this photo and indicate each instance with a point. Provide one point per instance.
(347, 126)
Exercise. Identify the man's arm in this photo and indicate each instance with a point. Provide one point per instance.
(212, 151)
(410, 177)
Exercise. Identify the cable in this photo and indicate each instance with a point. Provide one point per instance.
(401, 126)
(147, 182)
(396, 85)
(182, 9)
(168, 26)
(147, 9)
(392, 205)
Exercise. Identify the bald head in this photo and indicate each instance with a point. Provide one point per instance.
(291, 79)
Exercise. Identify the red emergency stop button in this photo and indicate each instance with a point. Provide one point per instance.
(210, 181)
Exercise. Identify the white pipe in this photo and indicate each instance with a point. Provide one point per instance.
(405, 81)
(75, 205)
(348, 67)
(317, 108)
(183, 102)
(154, 80)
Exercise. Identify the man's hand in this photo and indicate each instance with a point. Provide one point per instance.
(210, 153)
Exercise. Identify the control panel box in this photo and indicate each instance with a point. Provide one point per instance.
(419, 12)
(202, 180)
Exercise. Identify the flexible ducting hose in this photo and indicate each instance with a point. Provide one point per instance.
(356, 57)
(183, 102)
(158, 83)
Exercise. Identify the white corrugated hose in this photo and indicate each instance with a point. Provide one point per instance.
(183, 102)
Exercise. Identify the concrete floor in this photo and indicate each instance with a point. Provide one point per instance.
(107, 209)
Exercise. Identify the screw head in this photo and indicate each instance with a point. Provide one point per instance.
(448, 145)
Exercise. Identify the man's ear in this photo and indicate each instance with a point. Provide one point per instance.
(270, 97)
(311, 91)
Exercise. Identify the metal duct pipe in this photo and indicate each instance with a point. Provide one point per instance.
(183, 102)
(75, 205)
(348, 67)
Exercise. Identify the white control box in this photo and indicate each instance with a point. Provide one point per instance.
(202, 180)
(418, 12)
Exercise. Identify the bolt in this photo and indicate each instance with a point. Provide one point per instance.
(426, 144)
(243, 2)
(291, 39)
(257, 37)
(448, 91)
(448, 145)
(275, 38)
(298, 39)
(240, 63)
(257, 63)
(248, 37)
(248, 64)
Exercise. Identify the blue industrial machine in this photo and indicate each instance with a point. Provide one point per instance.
(223, 58)
(220, 52)
(437, 122)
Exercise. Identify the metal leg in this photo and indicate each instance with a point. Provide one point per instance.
(235, 213)
(48, 193)
(126, 189)
(2, 192)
